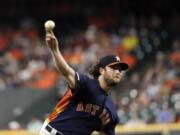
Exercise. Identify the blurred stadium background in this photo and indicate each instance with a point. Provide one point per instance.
(145, 34)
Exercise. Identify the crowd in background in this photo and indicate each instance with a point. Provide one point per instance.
(154, 95)
(150, 91)
(26, 62)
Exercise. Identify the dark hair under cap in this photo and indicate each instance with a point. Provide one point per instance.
(94, 70)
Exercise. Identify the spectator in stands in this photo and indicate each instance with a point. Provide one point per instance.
(34, 125)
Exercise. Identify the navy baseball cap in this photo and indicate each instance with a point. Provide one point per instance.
(113, 61)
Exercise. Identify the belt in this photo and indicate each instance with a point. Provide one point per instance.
(49, 129)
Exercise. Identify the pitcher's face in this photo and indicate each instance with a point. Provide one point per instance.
(112, 75)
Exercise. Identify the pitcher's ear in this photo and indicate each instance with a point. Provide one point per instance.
(101, 70)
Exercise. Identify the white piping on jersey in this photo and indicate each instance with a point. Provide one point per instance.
(78, 76)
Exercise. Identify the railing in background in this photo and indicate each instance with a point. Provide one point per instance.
(152, 129)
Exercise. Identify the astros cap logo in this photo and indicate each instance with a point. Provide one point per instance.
(117, 58)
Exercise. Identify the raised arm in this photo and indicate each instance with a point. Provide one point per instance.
(60, 62)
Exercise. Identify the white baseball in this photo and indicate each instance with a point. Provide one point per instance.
(49, 24)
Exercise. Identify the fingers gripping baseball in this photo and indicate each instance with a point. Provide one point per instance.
(51, 40)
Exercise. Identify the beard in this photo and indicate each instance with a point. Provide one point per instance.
(111, 82)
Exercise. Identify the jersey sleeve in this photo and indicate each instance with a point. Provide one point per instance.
(81, 82)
